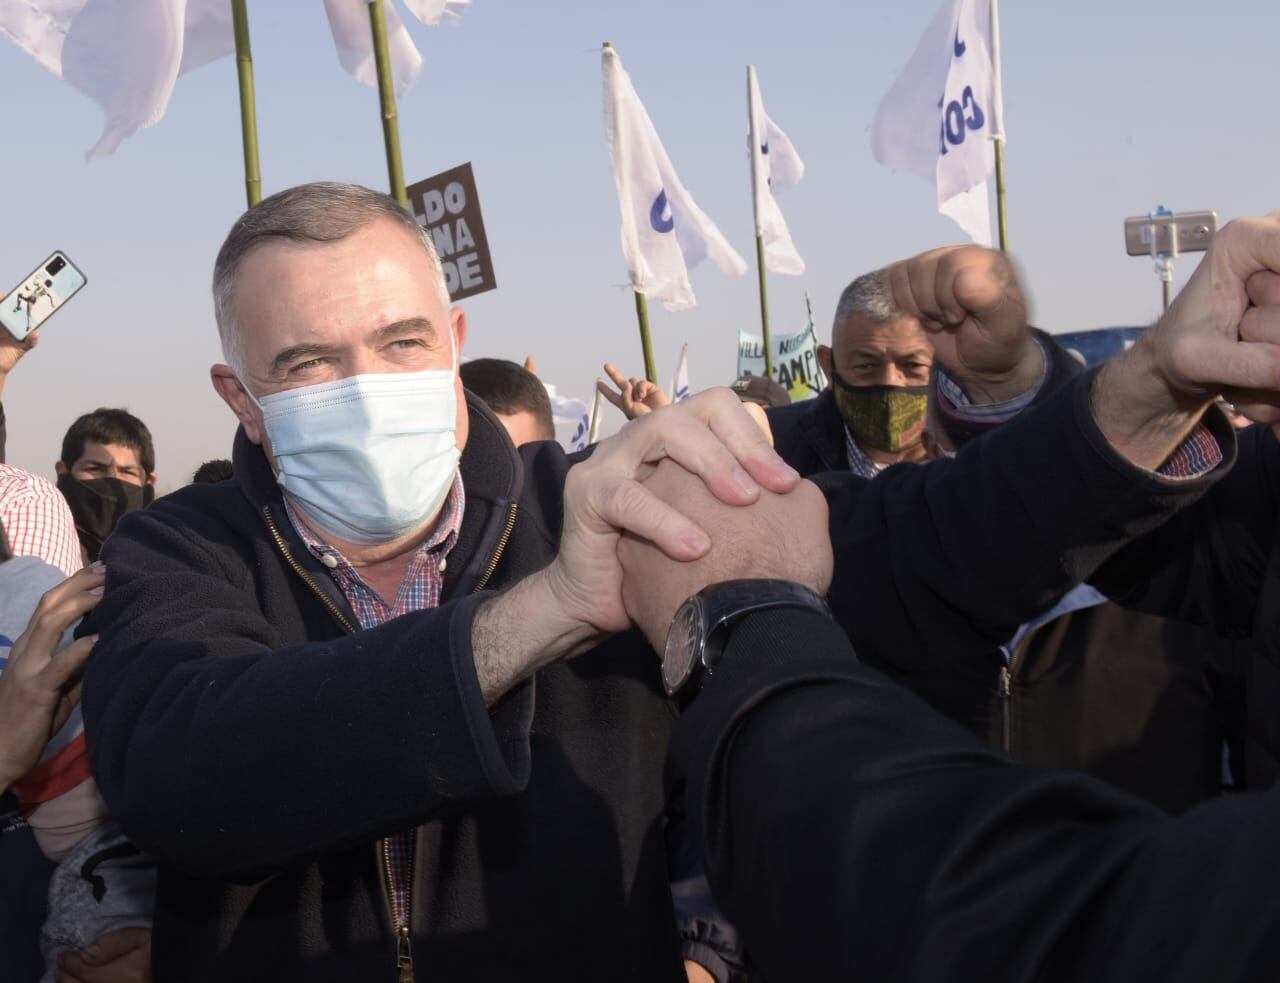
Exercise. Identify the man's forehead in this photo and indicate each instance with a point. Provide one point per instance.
(110, 453)
(290, 293)
(901, 336)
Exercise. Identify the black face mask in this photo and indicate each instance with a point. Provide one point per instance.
(98, 504)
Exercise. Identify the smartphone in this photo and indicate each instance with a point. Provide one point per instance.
(1191, 232)
(31, 302)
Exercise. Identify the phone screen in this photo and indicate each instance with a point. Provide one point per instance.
(28, 305)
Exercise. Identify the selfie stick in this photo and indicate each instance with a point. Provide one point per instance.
(1163, 261)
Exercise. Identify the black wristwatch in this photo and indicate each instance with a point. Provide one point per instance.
(701, 626)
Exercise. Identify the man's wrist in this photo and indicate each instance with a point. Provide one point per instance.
(1140, 413)
(1029, 368)
(522, 630)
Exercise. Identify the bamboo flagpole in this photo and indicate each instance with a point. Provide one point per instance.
(754, 137)
(997, 125)
(387, 98)
(248, 105)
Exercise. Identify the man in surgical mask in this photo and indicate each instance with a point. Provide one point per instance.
(331, 695)
(107, 468)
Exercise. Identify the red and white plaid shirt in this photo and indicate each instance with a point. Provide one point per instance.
(37, 521)
(420, 590)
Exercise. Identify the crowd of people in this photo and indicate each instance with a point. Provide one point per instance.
(962, 670)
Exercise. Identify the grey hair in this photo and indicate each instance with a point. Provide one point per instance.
(324, 211)
(867, 296)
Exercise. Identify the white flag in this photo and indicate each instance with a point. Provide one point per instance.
(124, 55)
(680, 381)
(940, 116)
(565, 409)
(663, 231)
(775, 166)
(353, 37)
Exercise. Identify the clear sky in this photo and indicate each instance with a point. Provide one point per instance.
(1111, 108)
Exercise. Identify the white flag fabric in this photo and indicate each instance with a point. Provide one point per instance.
(565, 409)
(126, 55)
(775, 166)
(431, 12)
(353, 37)
(939, 117)
(664, 232)
(680, 381)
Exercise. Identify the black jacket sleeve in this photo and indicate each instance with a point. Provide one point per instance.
(942, 562)
(852, 832)
(1207, 565)
(226, 753)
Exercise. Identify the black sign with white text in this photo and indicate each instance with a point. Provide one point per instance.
(448, 207)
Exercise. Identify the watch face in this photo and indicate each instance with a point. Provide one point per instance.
(683, 641)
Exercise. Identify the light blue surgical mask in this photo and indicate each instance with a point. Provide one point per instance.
(368, 459)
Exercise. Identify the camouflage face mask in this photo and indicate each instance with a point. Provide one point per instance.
(885, 418)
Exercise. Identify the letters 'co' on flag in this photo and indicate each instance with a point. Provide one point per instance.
(663, 231)
(940, 116)
(775, 166)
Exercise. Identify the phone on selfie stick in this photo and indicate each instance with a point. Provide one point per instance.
(41, 292)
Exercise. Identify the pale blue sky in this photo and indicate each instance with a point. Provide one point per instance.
(1111, 108)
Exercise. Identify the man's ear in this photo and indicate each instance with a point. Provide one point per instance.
(151, 479)
(458, 324)
(227, 386)
(59, 468)
(824, 361)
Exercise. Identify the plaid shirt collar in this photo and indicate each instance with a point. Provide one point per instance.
(859, 463)
(424, 581)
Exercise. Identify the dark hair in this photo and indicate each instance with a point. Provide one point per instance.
(110, 426)
(6, 551)
(211, 472)
(508, 388)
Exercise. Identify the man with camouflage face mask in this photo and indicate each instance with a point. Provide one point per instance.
(882, 357)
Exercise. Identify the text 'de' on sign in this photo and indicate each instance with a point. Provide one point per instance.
(448, 207)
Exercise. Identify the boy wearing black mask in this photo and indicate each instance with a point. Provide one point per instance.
(107, 468)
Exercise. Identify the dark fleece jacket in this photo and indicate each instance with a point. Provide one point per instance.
(245, 735)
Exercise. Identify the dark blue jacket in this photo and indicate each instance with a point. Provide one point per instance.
(246, 735)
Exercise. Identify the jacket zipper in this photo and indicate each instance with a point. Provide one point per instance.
(306, 577)
(1006, 687)
(497, 553)
(399, 919)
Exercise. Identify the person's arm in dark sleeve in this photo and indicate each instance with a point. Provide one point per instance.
(941, 562)
(225, 753)
(1206, 565)
(852, 832)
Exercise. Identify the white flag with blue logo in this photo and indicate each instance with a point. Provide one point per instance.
(940, 116)
(664, 232)
(680, 381)
(775, 166)
(566, 409)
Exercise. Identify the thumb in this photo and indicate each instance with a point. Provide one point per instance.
(531, 364)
